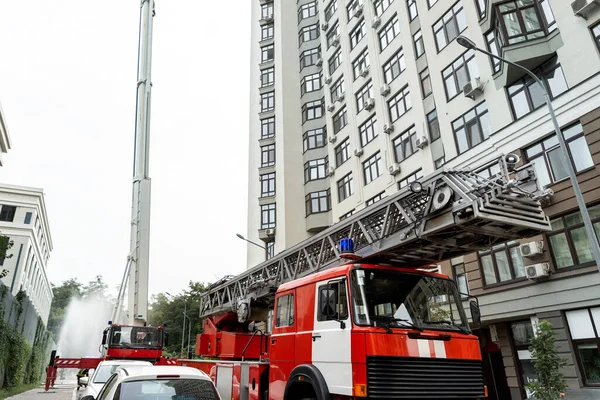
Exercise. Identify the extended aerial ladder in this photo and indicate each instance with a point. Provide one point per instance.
(445, 215)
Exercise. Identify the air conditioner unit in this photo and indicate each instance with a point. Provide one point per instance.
(267, 19)
(341, 97)
(421, 142)
(376, 22)
(537, 271)
(370, 103)
(358, 11)
(583, 8)
(385, 90)
(319, 62)
(332, 139)
(324, 26)
(532, 249)
(331, 171)
(364, 71)
(473, 88)
(331, 107)
(388, 129)
(270, 232)
(327, 80)
(358, 152)
(336, 41)
(394, 169)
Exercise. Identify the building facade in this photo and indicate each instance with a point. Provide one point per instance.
(24, 220)
(4, 136)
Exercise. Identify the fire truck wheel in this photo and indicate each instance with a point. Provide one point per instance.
(306, 383)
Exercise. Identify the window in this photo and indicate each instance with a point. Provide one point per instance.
(318, 202)
(522, 333)
(494, 48)
(267, 77)
(312, 110)
(596, 34)
(307, 10)
(310, 83)
(520, 21)
(372, 168)
(502, 263)
(342, 153)
(361, 63)
(314, 139)
(267, 128)
(431, 3)
(381, 6)
(547, 160)
(434, 125)
(368, 131)
(333, 34)
(333, 302)
(267, 185)
(267, 155)
(331, 9)
(28, 216)
(472, 128)
(352, 7)
(412, 9)
(309, 33)
(439, 163)
(309, 57)
(337, 89)
(364, 94)
(266, 10)
(481, 8)
(267, 53)
(340, 120)
(459, 73)
(389, 32)
(345, 187)
(425, 82)
(525, 95)
(335, 61)
(394, 66)
(419, 46)
(267, 101)
(267, 32)
(357, 34)
(267, 216)
(7, 213)
(270, 249)
(405, 144)
(584, 326)
(374, 199)
(415, 176)
(348, 214)
(315, 169)
(447, 28)
(460, 276)
(285, 311)
(569, 242)
(399, 104)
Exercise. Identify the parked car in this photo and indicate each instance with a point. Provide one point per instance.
(103, 371)
(157, 383)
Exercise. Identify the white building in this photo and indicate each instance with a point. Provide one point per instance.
(355, 98)
(24, 220)
(4, 136)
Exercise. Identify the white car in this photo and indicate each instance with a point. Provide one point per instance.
(157, 383)
(103, 371)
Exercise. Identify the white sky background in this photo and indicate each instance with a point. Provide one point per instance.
(67, 86)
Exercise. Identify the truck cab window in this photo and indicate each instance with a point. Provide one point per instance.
(333, 302)
(285, 311)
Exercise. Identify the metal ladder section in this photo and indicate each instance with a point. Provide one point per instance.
(454, 213)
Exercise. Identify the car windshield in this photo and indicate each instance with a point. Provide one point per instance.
(104, 372)
(399, 299)
(135, 336)
(168, 389)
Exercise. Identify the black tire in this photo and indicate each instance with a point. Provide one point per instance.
(309, 398)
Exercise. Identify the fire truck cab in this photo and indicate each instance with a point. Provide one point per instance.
(133, 342)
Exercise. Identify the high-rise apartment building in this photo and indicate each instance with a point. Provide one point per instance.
(4, 136)
(353, 99)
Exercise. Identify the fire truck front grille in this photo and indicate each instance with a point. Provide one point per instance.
(423, 378)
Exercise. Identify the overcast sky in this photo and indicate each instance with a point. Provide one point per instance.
(67, 86)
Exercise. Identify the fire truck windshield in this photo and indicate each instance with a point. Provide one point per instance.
(400, 299)
(136, 337)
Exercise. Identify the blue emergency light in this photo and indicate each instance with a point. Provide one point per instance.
(346, 246)
(110, 322)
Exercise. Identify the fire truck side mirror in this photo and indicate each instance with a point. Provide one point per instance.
(166, 339)
(104, 335)
(475, 312)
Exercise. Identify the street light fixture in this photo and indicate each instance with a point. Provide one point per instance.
(589, 228)
(264, 247)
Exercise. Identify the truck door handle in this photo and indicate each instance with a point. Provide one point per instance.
(273, 340)
(316, 336)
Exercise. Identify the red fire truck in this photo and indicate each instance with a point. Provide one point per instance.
(358, 311)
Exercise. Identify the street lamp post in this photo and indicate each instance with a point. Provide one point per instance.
(589, 228)
(189, 334)
(256, 244)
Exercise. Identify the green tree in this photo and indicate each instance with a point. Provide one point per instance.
(97, 287)
(5, 245)
(550, 383)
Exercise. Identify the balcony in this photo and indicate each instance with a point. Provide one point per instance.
(523, 32)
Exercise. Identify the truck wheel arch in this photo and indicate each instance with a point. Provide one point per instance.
(303, 375)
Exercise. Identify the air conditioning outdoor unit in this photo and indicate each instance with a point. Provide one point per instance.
(327, 80)
(336, 41)
(394, 169)
(341, 97)
(537, 271)
(331, 107)
(388, 129)
(370, 103)
(267, 19)
(376, 22)
(473, 88)
(331, 171)
(359, 10)
(583, 8)
(324, 26)
(270, 232)
(358, 152)
(364, 72)
(532, 249)
(421, 142)
(332, 139)
(385, 90)
(319, 62)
